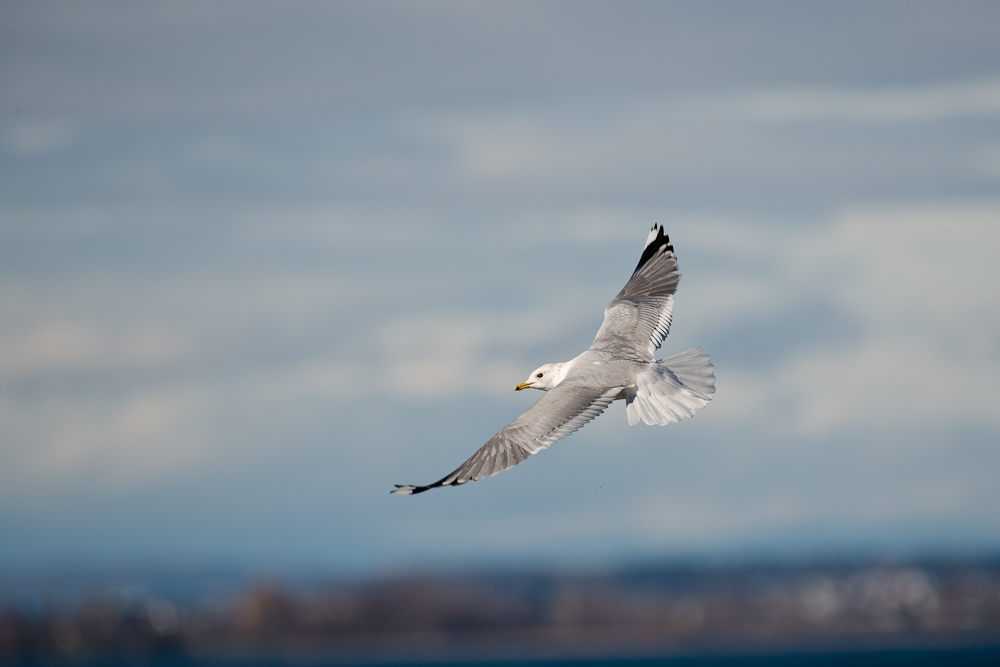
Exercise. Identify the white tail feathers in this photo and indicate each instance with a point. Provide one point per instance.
(671, 389)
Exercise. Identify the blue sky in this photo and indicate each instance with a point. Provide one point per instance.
(259, 262)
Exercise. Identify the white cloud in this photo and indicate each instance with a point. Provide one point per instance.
(65, 347)
(451, 354)
(139, 377)
(30, 137)
(900, 104)
(989, 161)
(920, 283)
(121, 443)
(645, 140)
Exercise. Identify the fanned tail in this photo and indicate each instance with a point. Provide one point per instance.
(671, 389)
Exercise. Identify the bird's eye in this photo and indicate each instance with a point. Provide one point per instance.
(539, 375)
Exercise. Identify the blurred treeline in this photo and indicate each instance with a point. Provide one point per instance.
(642, 609)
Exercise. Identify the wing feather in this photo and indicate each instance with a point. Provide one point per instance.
(561, 411)
(638, 319)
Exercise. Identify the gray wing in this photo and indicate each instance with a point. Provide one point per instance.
(562, 410)
(638, 319)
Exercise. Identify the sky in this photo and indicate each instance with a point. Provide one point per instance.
(261, 261)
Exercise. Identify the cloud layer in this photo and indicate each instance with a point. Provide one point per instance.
(250, 283)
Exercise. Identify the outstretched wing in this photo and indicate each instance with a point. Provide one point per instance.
(562, 410)
(638, 319)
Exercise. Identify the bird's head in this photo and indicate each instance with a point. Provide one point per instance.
(544, 377)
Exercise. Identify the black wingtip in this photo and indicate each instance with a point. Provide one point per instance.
(412, 490)
(654, 245)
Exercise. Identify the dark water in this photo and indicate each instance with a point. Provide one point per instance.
(980, 656)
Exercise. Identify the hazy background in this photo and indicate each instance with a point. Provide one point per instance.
(258, 262)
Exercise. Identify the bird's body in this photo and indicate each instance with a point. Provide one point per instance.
(619, 365)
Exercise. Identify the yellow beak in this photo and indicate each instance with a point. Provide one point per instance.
(523, 385)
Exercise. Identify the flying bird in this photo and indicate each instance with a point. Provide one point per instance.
(619, 365)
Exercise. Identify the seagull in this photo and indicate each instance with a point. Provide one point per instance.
(619, 366)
